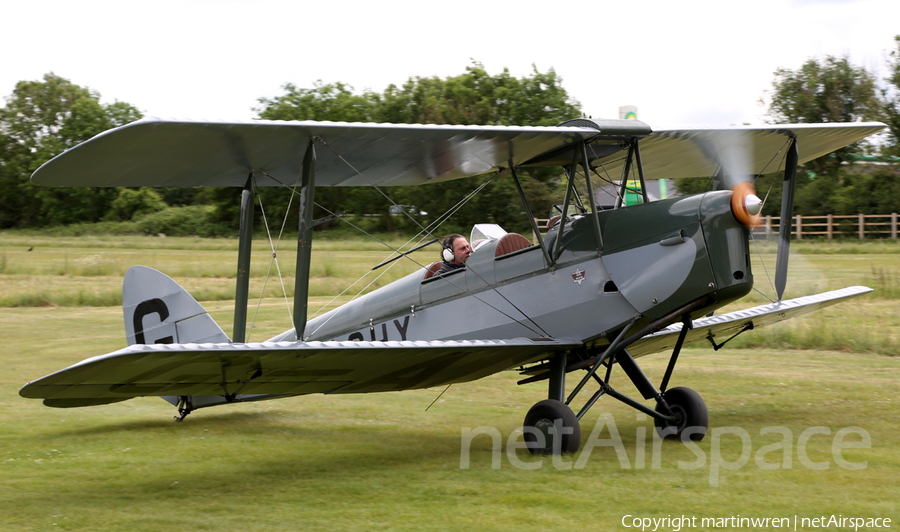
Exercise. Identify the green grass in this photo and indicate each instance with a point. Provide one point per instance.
(869, 323)
(382, 462)
(88, 271)
(840, 246)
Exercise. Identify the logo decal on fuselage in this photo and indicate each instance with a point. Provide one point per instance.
(578, 276)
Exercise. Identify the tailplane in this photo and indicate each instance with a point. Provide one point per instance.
(159, 311)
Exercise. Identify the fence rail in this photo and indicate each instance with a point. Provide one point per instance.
(829, 225)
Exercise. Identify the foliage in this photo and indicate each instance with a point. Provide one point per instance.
(39, 121)
(43, 118)
(181, 221)
(134, 203)
(335, 102)
(877, 192)
(850, 191)
(475, 97)
(830, 90)
(890, 97)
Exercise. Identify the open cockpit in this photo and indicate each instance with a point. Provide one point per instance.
(491, 241)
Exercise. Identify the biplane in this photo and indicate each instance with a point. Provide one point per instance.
(596, 290)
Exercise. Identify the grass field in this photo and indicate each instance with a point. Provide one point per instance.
(782, 441)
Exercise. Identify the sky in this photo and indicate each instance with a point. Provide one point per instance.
(687, 63)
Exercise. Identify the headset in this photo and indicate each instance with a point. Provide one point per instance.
(447, 253)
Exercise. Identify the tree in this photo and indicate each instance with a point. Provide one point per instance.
(890, 96)
(131, 204)
(39, 121)
(830, 90)
(820, 91)
(474, 97)
(335, 102)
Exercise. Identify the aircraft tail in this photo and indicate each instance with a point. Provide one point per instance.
(159, 311)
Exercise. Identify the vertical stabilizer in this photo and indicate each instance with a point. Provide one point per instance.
(159, 311)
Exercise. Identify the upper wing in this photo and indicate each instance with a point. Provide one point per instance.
(698, 152)
(725, 325)
(283, 368)
(155, 152)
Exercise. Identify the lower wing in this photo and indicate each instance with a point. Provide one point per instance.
(726, 325)
(282, 368)
(296, 368)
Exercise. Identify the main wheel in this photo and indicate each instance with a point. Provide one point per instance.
(542, 418)
(690, 411)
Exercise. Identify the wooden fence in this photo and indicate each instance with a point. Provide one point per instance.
(829, 226)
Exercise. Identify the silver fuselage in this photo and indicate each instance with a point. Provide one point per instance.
(654, 259)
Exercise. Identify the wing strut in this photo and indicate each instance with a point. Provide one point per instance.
(570, 189)
(242, 289)
(304, 239)
(640, 168)
(591, 198)
(534, 227)
(625, 171)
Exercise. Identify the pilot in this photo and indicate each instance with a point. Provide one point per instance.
(455, 253)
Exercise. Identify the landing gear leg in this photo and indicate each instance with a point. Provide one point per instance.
(550, 426)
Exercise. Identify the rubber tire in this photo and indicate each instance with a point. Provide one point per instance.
(542, 416)
(690, 406)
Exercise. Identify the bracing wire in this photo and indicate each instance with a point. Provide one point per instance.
(783, 157)
(759, 254)
(439, 396)
(607, 179)
(373, 185)
(428, 232)
(274, 247)
(458, 206)
(434, 224)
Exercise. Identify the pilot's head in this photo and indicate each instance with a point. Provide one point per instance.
(456, 249)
